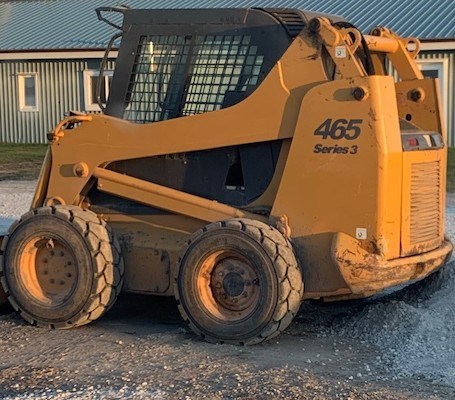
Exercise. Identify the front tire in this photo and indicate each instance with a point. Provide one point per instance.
(61, 267)
(238, 282)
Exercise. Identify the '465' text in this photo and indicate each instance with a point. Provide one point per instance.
(336, 130)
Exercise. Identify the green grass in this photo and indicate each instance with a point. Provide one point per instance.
(17, 153)
(451, 170)
(21, 161)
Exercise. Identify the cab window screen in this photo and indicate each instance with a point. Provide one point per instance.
(153, 87)
(175, 76)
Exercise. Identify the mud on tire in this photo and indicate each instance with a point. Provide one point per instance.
(238, 282)
(61, 267)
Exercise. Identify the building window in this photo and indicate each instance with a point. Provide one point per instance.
(28, 92)
(91, 78)
(438, 68)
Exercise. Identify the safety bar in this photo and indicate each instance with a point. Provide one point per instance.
(99, 84)
(120, 10)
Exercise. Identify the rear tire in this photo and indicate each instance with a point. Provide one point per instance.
(238, 282)
(61, 267)
(5, 307)
(3, 297)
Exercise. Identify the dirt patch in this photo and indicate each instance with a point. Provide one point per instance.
(142, 349)
(20, 171)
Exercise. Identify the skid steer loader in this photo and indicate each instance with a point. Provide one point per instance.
(241, 154)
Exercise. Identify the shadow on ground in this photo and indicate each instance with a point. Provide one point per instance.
(5, 224)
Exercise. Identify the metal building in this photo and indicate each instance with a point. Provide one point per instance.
(50, 51)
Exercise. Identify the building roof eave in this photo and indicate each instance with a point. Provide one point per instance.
(65, 54)
(437, 44)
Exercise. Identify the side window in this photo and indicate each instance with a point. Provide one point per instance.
(175, 76)
(158, 73)
(223, 66)
(28, 92)
(91, 78)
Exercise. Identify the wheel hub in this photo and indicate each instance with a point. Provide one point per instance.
(48, 270)
(234, 284)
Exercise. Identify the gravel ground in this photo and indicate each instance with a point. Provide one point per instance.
(15, 199)
(399, 345)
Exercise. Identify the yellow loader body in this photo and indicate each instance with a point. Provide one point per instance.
(358, 188)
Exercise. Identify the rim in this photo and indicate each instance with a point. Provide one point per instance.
(228, 285)
(48, 270)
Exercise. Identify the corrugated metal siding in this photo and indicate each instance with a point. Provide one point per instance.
(60, 90)
(32, 24)
(450, 99)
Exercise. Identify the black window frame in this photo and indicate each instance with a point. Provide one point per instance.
(267, 33)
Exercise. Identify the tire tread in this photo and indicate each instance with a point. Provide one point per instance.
(105, 252)
(280, 251)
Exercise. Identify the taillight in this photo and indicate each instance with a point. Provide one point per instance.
(412, 141)
(421, 141)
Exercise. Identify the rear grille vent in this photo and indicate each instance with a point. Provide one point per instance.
(291, 20)
(425, 202)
